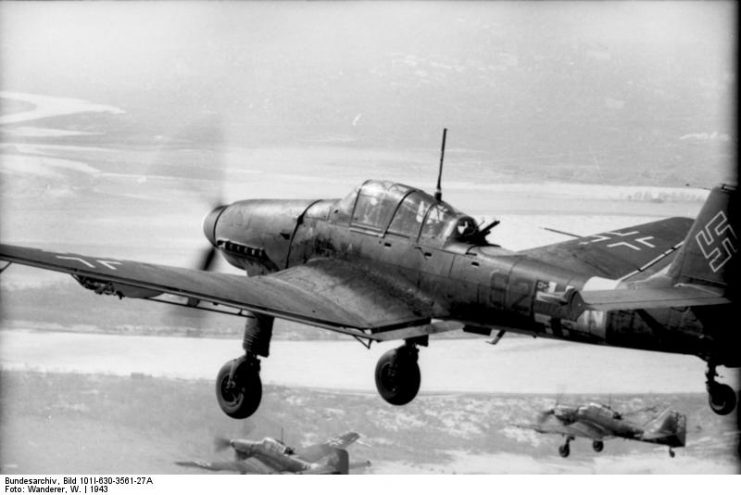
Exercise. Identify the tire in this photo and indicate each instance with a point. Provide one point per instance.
(241, 400)
(398, 377)
(564, 450)
(598, 445)
(722, 398)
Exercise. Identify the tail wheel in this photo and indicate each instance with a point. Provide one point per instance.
(239, 392)
(598, 445)
(564, 450)
(397, 376)
(722, 398)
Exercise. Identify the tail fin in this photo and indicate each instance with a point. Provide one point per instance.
(338, 462)
(708, 255)
(668, 428)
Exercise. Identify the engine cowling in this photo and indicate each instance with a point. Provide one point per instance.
(255, 235)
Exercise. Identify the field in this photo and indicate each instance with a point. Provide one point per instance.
(67, 423)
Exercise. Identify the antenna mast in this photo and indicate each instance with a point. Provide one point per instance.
(438, 190)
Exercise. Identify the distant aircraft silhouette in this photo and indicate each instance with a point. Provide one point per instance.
(271, 456)
(598, 422)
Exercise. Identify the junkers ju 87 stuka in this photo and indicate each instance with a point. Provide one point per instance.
(392, 262)
(598, 422)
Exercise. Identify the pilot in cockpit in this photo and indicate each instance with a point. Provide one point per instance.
(466, 227)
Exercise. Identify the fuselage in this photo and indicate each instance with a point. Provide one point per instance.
(598, 421)
(275, 455)
(595, 420)
(282, 459)
(425, 246)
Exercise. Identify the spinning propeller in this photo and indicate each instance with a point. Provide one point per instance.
(196, 155)
(215, 200)
(222, 443)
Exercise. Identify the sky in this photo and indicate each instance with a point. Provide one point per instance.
(384, 72)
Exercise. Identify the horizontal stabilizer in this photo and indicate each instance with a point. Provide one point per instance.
(618, 253)
(651, 297)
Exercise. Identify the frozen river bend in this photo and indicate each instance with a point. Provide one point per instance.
(515, 365)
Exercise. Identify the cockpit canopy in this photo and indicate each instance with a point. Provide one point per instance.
(273, 445)
(387, 208)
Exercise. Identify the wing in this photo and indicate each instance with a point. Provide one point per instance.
(576, 429)
(549, 427)
(241, 466)
(551, 424)
(620, 253)
(327, 293)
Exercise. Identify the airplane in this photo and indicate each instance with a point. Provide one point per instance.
(598, 422)
(271, 456)
(386, 260)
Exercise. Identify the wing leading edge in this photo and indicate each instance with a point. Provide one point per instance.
(337, 296)
(576, 429)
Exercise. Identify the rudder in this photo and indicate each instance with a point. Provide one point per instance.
(708, 255)
(669, 428)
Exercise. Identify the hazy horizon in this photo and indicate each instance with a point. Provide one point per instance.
(646, 87)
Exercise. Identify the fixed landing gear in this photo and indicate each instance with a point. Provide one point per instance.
(598, 445)
(564, 450)
(398, 376)
(239, 388)
(238, 384)
(721, 397)
(672, 453)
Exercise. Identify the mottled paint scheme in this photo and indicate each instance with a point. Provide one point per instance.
(597, 422)
(362, 271)
(486, 286)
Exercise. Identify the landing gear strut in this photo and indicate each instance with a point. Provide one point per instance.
(721, 397)
(564, 450)
(238, 384)
(397, 375)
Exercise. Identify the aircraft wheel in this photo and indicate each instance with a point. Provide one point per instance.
(598, 445)
(564, 450)
(398, 376)
(672, 453)
(722, 398)
(240, 396)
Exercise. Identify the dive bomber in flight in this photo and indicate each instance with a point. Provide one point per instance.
(392, 262)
